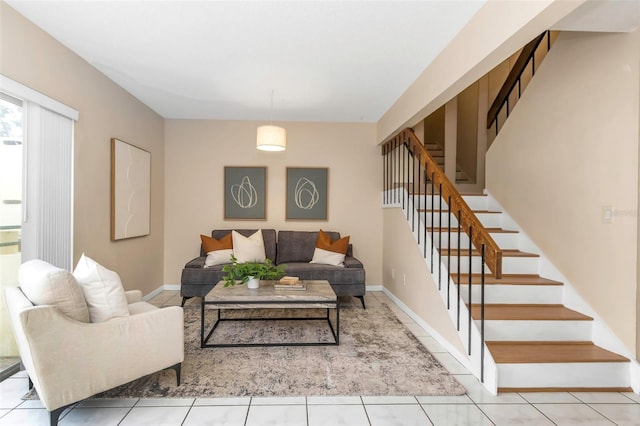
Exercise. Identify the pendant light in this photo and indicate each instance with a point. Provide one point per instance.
(270, 137)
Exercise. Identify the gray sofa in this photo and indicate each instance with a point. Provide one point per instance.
(292, 248)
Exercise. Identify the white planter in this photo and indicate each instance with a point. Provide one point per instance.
(253, 283)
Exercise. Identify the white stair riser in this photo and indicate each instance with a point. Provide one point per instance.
(488, 220)
(503, 240)
(579, 374)
(526, 330)
(524, 294)
(506, 241)
(476, 202)
(510, 265)
(426, 201)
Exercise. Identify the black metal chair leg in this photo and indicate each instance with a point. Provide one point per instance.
(362, 300)
(178, 370)
(184, 300)
(30, 383)
(54, 415)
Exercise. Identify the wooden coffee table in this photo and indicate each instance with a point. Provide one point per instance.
(318, 294)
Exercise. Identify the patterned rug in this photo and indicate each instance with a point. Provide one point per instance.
(377, 355)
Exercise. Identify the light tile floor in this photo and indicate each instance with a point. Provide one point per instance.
(477, 407)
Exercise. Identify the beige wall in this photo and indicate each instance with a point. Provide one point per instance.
(434, 127)
(496, 31)
(407, 277)
(198, 150)
(569, 148)
(467, 131)
(33, 58)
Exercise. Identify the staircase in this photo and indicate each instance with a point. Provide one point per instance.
(537, 343)
(516, 330)
(437, 152)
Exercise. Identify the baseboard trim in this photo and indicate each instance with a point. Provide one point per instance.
(153, 294)
(172, 287)
(463, 359)
(556, 389)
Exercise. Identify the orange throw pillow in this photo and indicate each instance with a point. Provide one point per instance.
(338, 246)
(211, 244)
(218, 251)
(330, 252)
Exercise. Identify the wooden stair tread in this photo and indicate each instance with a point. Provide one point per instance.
(521, 312)
(550, 352)
(489, 230)
(444, 212)
(507, 279)
(505, 253)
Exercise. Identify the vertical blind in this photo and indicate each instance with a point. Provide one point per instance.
(47, 228)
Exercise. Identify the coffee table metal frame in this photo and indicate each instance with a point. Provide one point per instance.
(290, 301)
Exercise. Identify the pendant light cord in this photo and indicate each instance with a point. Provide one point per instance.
(271, 113)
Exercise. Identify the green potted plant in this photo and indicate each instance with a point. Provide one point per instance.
(250, 272)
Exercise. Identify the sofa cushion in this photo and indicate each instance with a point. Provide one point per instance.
(218, 251)
(338, 245)
(218, 257)
(45, 284)
(268, 236)
(248, 249)
(327, 257)
(328, 251)
(299, 246)
(102, 290)
(212, 244)
(336, 275)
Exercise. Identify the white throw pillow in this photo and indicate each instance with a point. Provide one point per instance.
(218, 257)
(248, 249)
(45, 284)
(102, 289)
(327, 257)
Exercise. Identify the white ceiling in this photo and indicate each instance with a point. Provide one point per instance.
(343, 61)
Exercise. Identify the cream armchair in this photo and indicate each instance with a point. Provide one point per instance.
(69, 360)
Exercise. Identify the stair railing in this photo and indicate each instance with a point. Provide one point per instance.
(527, 56)
(406, 162)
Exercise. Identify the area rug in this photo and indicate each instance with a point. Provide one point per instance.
(377, 355)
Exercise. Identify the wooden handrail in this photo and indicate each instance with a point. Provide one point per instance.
(480, 236)
(514, 75)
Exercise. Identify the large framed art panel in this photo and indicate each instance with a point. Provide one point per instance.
(130, 190)
(307, 193)
(245, 193)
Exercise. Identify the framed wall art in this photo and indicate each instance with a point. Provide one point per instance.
(130, 190)
(307, 193)
(245, 193)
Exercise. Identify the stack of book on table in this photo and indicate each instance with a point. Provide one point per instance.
(290, 283)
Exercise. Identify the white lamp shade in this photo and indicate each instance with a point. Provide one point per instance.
(271, 138)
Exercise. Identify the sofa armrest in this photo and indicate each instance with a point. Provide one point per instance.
(197, 262)
(71, 361)
(133, 296)
(352, 262)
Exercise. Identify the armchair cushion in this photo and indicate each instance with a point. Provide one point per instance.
(44, 284)
(102, 290)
